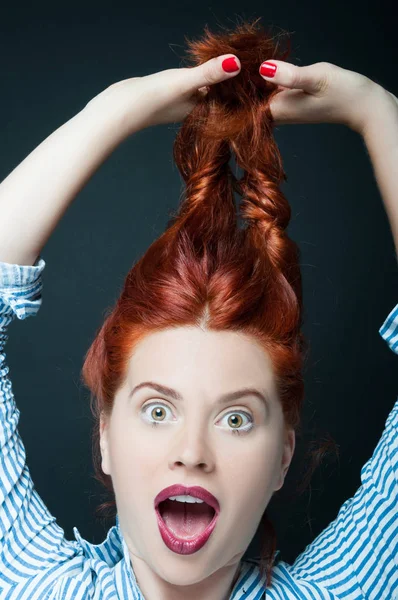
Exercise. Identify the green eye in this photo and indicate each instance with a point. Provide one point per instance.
(154, 414)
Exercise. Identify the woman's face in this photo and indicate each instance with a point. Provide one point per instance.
(194, 444)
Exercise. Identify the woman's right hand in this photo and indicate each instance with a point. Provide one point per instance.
(324, 93)
(164, 97)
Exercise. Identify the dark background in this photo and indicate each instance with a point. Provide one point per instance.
(53, 61)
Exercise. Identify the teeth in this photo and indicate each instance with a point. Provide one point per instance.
(184, 498)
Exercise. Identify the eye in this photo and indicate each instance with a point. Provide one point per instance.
(156, 417)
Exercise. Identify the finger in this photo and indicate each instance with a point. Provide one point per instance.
(312, 79)
(204, 90)
(211, 72)
(295, 106)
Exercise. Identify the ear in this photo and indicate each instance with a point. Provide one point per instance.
(104, 444)
(288, 452)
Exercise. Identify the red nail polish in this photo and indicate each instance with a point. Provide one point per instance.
(268, 69)
(230, 65)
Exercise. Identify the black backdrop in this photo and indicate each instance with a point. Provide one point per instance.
(53, 61)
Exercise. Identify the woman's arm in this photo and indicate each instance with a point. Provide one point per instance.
(36, 194)
(326, 93)
(381, 138)
(34, 197)
(355, 556)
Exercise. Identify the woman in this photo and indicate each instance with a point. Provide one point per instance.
(204, 342)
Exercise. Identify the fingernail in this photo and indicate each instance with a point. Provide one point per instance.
(268, 69)
(230, 65)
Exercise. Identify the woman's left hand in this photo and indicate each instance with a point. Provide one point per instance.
(324, 93)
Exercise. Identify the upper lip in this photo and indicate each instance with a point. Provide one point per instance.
(196, 491)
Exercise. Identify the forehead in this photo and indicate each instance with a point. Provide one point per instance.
(222, 359)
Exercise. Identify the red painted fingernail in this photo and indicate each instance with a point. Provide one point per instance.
(268, 69)
(230, 65)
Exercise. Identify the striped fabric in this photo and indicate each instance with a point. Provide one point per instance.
(355, 557)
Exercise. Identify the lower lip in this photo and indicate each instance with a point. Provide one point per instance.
(181, 545)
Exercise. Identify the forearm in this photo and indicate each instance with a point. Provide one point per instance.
(381, 139)
(36, 194)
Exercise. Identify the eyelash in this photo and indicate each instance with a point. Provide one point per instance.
(236, 431)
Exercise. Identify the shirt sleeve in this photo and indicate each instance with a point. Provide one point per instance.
(356, 556)
(30, 539)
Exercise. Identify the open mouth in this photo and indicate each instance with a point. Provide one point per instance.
(186, 519)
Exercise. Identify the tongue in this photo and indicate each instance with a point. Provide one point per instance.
(186, 519)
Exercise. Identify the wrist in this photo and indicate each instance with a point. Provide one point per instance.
(118, 111)
(382, 109)
(380, 135)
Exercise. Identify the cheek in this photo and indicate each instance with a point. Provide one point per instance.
(255, 472)
(132, 452)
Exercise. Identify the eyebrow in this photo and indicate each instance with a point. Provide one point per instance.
(228, 397)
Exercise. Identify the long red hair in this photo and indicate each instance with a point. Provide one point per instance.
(205, 269)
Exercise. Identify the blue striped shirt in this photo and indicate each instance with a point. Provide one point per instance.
(355, 557)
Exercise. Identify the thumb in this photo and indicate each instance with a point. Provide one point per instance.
(311, 79)
(213, 71)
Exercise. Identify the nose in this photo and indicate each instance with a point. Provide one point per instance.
(191, 448)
